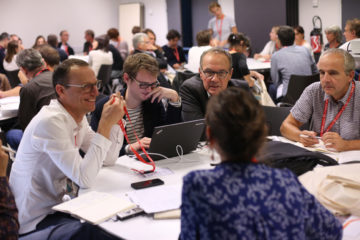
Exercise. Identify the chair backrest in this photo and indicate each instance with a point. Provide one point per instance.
(180, 78)
(274, 118)
(13, 78)
(297, 85)
(104, 74)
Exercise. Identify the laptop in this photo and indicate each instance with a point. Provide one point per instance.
(175, 139)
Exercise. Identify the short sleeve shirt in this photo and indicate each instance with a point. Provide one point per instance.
(310, 106)
(226, 26)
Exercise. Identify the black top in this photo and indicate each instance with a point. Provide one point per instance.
(118, 62)
(240, 68)
(169, 54)
(70, 50)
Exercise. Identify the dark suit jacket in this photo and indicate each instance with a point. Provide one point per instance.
(154, 115)
(194, 97)
(33, 96)
(70, 49)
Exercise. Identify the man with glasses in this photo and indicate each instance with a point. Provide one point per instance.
(215, 76)
(48, 166)
(149, 105)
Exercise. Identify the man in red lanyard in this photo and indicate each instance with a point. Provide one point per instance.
(331, 105)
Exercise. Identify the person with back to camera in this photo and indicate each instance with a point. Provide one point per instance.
(243, 199)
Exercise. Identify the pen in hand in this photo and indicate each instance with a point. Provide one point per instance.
(307, 136)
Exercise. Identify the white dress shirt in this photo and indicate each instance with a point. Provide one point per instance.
(49, 154)
(194, 57)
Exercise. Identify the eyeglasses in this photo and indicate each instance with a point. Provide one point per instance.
(144, 85)
(210, 74)
(87, 87)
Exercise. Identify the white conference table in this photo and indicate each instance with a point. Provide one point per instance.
(9, 107)
(257, 64)
(116, 180)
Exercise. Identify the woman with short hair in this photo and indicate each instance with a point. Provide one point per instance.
(241, 198)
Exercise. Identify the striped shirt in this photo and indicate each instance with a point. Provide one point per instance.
(137, 123)
(311, 106)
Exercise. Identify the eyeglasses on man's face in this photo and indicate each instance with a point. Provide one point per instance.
(87, 87)
(209, 74)
(145, 85)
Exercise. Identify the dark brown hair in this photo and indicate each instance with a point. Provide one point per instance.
(237, 124)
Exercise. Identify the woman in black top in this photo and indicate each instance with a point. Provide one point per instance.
(238, 45)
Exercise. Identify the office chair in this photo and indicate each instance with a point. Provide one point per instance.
(297, 85)
(104, 75)
(13, 78)
(180, 78)
(275, 116)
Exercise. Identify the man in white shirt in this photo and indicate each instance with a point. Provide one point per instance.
(48, 155)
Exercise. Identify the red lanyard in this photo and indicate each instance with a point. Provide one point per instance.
(41, 71)
(337, 115)
(176, 53)
(66, 49)
(219, 30)
(132, 149)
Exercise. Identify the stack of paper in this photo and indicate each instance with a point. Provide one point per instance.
(157, 199)
(95, 207)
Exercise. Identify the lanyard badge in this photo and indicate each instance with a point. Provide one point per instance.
(121, 124)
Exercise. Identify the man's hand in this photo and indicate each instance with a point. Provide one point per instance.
(332, 140)
(112, 112)
(307, 138)
(4, 158)
(145, 142)
(161, 92)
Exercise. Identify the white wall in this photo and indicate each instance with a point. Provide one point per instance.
(328, 10)
(31, 18)
(155, 18)
(227, 6)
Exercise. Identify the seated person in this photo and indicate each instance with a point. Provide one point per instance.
(203, 39)
(142, 44)
(48, 156)
(53, 42)
(270, 47)
(143, 97)
(334, 37)
(331, 105)
(299, 39)
(215, 76)
(63, 44)
(9, 225)
(289, 60)
(159, 52)
(116, 41)
(175, 54)
(238, 45)
(101, 54)
(90, 42)
(38, 66)
(243, 199)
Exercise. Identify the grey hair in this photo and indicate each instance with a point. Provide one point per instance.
(138, 38)
(216, 50)
(336, 31)
(29, 59)
(349, 62)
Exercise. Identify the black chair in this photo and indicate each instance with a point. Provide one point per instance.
(104, 75)
(13, 78)
(297, 85)
(180, 78)
(275, 116)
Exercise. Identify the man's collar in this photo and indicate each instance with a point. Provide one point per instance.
(343, 99)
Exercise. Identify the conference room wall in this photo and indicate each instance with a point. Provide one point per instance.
(349, 10)
(31, 18)
(328, 10)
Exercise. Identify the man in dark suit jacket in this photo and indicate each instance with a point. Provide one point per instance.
(215, 76)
